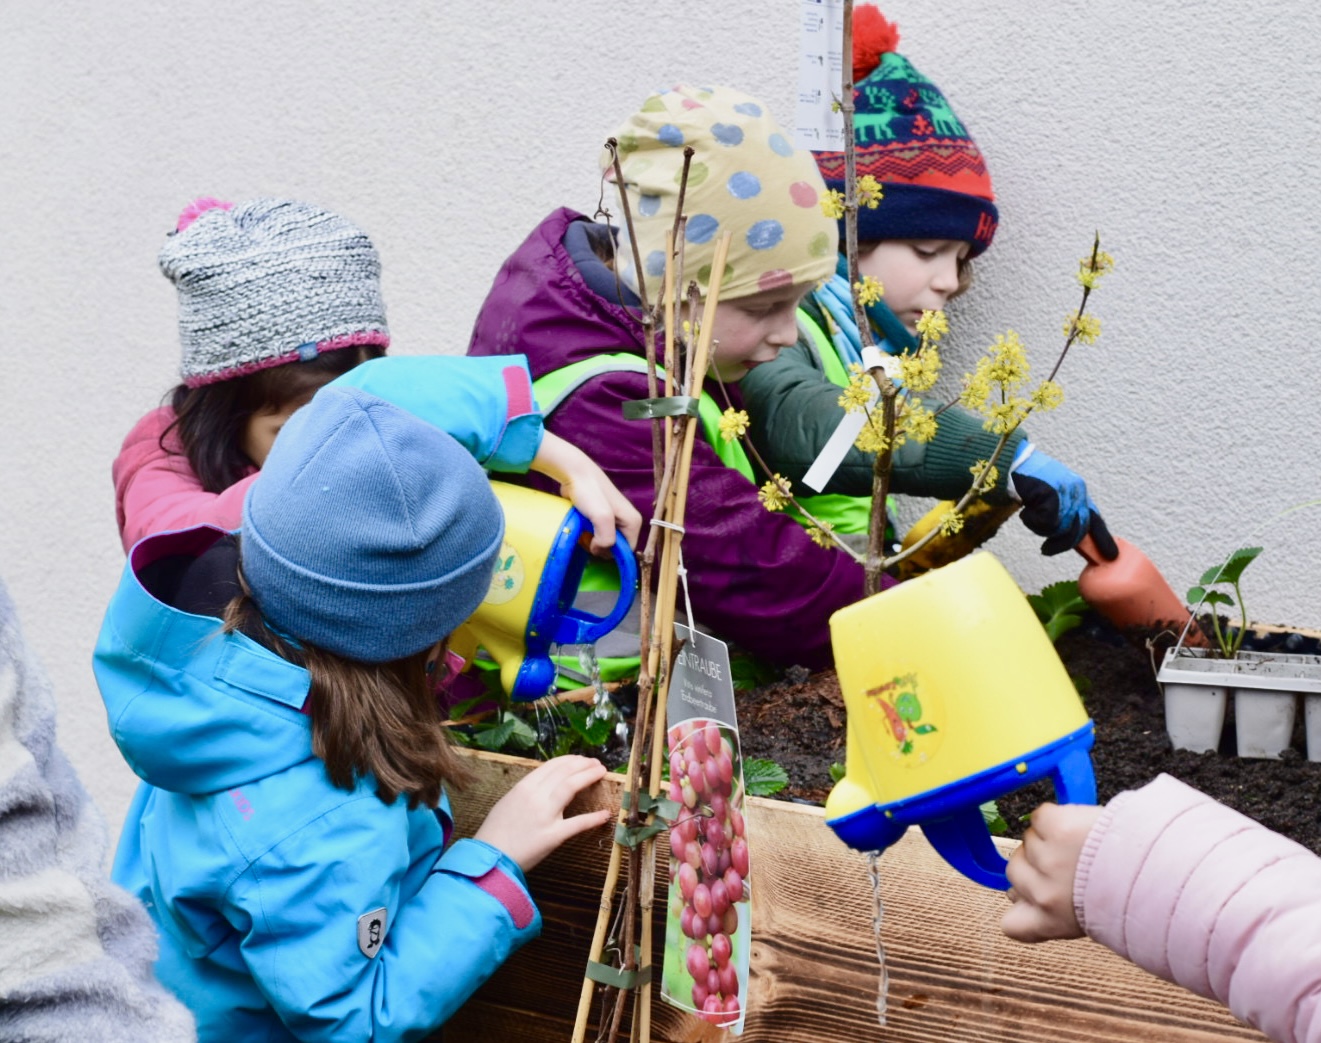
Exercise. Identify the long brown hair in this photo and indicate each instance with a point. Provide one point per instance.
(368, 719)
(210, 420)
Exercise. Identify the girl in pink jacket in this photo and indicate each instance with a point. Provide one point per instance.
(276, 299)
(1187, 889)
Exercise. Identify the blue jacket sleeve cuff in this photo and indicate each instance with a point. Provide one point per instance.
(524, 429)
(496, 874)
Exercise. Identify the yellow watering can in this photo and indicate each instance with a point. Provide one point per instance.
(529, 606)
(955, 696)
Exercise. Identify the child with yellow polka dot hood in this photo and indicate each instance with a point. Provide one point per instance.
(569, 298)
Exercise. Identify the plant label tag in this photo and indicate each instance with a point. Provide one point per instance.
(708, 929)
(837, 447)
(819, 124)
(850, 424)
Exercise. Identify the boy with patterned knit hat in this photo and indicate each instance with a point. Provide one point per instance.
(569, 298)
(937, 212)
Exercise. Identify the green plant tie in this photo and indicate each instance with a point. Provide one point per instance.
(654, 408)
(616, 976)
(664, 807)
(632, 836)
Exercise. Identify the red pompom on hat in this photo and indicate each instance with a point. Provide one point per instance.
(873, 36)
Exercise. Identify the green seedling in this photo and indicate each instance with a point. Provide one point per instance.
(1059, 607)
(995, 821)
(1227, 574)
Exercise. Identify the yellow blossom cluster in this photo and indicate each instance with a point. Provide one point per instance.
(857, 395)
(950, 523)
(871, 439)
(920, 371)
(774, 495)
(990, 479)
(869, 291)
(733, 424)
(1092, 267)
(993, 389)
(1085, 328)
(821, 534)
(932, 326)
(919, 423)
(870, 193)
(1047, 397)
(832, 204)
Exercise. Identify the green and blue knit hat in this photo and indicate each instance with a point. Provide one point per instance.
(906, 136)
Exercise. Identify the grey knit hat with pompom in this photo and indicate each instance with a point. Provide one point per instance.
(267, 282)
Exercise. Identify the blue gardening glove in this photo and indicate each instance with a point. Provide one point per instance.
(1056, 504)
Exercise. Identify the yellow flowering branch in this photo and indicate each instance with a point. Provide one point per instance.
(1082, 326)
(992, 389)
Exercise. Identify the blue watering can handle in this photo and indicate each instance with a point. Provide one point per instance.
(1074, 778)
(582, 628)
(963, 841)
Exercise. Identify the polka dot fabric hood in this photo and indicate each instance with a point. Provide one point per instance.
(746, 177)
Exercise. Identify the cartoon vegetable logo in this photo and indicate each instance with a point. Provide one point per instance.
(898, 700)
(507, 579)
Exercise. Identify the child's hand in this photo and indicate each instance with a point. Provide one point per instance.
(1042, 872)
(528, 822)
(592, 492)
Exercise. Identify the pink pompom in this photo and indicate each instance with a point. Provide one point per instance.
(197, 208)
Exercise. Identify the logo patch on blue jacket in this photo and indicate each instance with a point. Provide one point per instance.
(371, 931)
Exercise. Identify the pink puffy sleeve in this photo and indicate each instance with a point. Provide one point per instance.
(1207, 898)
(156, 489)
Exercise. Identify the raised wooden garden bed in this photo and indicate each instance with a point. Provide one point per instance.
(954, 977)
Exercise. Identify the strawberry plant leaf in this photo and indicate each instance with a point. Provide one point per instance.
(762, 777)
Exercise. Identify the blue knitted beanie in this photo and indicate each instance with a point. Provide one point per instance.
(370, 533)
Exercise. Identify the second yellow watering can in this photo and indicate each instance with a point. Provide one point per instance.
(955, 697)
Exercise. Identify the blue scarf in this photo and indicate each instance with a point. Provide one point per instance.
(836, 300)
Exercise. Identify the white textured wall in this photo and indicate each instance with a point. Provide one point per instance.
(1185, 133)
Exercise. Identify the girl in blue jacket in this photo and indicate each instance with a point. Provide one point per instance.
(274, 688)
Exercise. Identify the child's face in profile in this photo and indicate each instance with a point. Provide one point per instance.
(918, 274)
(262, 427)
(752, 330)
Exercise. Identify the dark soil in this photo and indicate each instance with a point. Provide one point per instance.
(800, 726)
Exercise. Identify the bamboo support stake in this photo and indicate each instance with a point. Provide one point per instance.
(665, 610)
(670, 313)
(647, 674)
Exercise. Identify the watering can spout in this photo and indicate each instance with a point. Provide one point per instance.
(1131, 592)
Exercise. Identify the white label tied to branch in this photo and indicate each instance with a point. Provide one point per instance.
(850, 425)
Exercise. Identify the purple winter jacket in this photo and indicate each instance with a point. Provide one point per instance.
(755, 578)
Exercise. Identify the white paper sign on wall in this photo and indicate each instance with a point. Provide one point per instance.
(819, 125)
